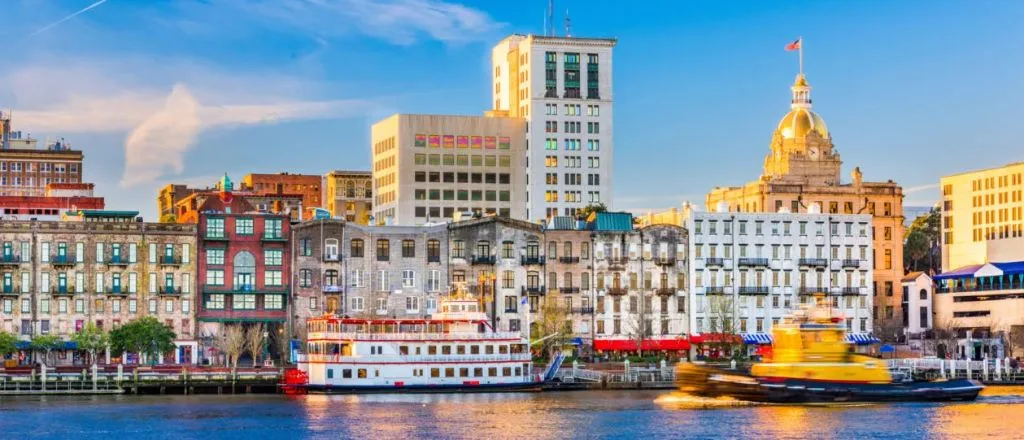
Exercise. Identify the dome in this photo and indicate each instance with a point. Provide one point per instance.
(800, 122)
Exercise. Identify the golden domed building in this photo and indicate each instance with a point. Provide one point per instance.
(801, 170)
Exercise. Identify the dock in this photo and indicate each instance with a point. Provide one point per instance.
(122, 379)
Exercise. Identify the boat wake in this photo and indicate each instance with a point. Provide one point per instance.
(681, 400)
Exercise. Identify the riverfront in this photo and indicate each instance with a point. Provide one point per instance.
(597, 414)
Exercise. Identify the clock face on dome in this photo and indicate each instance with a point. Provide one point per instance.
(813, 153)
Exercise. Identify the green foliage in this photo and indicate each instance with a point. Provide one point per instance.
(8, 343)
(46, 342)
(921, 238)
(915, 249)
(145, 335)
(92, 340)
(168, 218)
(551, 322)
(585, 212)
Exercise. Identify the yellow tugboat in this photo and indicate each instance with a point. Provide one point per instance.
(811, 362)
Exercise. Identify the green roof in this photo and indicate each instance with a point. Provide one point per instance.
(103, 213)
(612, 222)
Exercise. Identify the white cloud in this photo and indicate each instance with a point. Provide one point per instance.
(920, 188)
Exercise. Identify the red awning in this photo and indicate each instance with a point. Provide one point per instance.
(674, 344)
(715, 337)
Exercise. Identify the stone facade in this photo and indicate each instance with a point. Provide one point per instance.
(58, 276)
(348, 195)
(318, 271)
(501, 260)
(569, 260)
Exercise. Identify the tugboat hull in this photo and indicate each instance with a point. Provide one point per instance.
(711, 382)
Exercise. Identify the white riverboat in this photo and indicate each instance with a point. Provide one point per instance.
(453, 350)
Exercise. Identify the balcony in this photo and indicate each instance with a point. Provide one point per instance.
(709, 262)
(568, 290)
(482, 260)
(115, 291)
(433, 258)
(215, 237)
(813, 262)
(851, 264)
(582, 310)
(10, 260)
(62, 290)
(532, 290)
(62, 260)
(753, 262)
(666, 291)
(616, 290)
(665, 261)
(810, 290)
(332, 257)
(568, 260)
(116, 261)
(511, 310)
(273, 237)
(617, 263)
(849, 291)
(330, 288)
(754, 290)
(534, 260)
(9, 290)
(714, 290)
(169, 260)
(170, 290)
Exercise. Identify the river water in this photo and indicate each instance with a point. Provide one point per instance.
(998, 413)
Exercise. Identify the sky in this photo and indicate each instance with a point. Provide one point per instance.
(182, 91)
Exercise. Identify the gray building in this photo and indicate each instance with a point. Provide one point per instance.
(317, 272)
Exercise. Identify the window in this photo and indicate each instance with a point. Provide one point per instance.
(272, 257)
(272, 277)
(356, 304)
(243, 226)
(408, 278)
(412, 304)
(408, 248)
(305, 278)
(433, 251)
(214, 229)
(272, 228)
(356, 248)
(244, 302)
(214, 277)
(273, 302)
(305, 247)
(215, 257)
(383, 250)
(213, 302)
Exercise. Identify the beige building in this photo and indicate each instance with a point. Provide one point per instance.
(803, 169)
(349, 195)
(982, 217)
(428, 167)
(102, 267)
(26, 169)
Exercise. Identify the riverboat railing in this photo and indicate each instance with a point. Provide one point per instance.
(989, 370)
(432, 337)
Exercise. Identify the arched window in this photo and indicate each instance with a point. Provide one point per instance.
(552, 250)
(567, 249)
(924, 294)
(552, 280)
(369, 189)
(350, 188)
(244, 270)
(567, 279)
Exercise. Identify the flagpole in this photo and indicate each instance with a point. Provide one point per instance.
(801, 56)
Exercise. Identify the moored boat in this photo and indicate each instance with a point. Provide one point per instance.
(812, 362)
(453, 350)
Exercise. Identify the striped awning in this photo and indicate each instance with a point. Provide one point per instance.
(757, 338)
(861, 338)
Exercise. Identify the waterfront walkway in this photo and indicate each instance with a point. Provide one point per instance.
(133, 379)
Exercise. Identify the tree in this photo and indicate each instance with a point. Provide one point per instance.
(922, 251)
(889, 329)
(146, 335)
(915, 249)
(46, 344)
(551, 324)
(944, 338)
(233, 344)
(638, 326)
(254, 340)
(91, 339)
(8, 343)
(585, 212)
(168, 218)
(1015, 339)
(723, 324)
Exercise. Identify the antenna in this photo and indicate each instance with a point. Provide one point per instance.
(568, 24)
(550, 28)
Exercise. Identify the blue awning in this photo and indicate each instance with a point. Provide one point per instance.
(861, 338)
(1011, 268)
(64, 345)
(757, 338)
(960, 272)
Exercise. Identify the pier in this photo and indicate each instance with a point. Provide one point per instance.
(125, 379)
(989, 371)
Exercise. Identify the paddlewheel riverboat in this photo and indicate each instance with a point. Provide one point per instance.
(453, 350)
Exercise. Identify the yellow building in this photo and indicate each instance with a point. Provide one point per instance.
(349, 195)
(803, 169)
(982, 220)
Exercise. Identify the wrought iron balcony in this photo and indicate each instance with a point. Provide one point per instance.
(62, 260)
(568, 260)
(813, 262)
(10, 289)
(810, 290)
(115, 290)
(332, 257)
(851, 263)
(531, 260)
(532, 290)
(116, 261)
(569, 290)
(582, 310)
(753, 262)
(483, 259)
(10, 260)
(618, 263)
(617, 290)
(170, 290)
(666, 291)
(849, 291)
(714, 262)
(754, 290)
(169, 260)
(433, 258)
(714, 290)
(62, 290)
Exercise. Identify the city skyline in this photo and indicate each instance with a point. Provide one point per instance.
(188, 100)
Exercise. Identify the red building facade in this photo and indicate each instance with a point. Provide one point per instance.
(243, 271)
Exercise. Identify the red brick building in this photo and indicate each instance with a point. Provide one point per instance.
(244, 270)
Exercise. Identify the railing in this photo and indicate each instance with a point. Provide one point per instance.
(62, 260)
(169, 260)
(665, 261)
(437, 337)
(849, 291)
(569, 290)
(616, 290)
(753, 262)
(10, 290)
(978, 287)
(754, 290)
(810, 290)
(11, 260)
(433, 258)
(332, 257)
(215, 237)
(511, 310)
(620, 261)
(714, 290)
(813, 262)
(460, 358)
(535, 290)
(534, 260)
(582, 310)
(666, 291)
(63, 290)
(483, 259)
(170, 290)
(272, 237)
(115, 291)
(116, 261)
(714, 261)
(851, 263)
(568, 260)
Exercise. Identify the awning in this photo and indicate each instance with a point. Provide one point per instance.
(62, 345)
(715, 338)
(960, 272)
(668, 344)
(756, 338)
(861, 339)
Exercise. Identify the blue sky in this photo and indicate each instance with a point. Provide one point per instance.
(158, 91)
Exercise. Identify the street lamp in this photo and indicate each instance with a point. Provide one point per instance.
(483, 280)
(266, 345)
